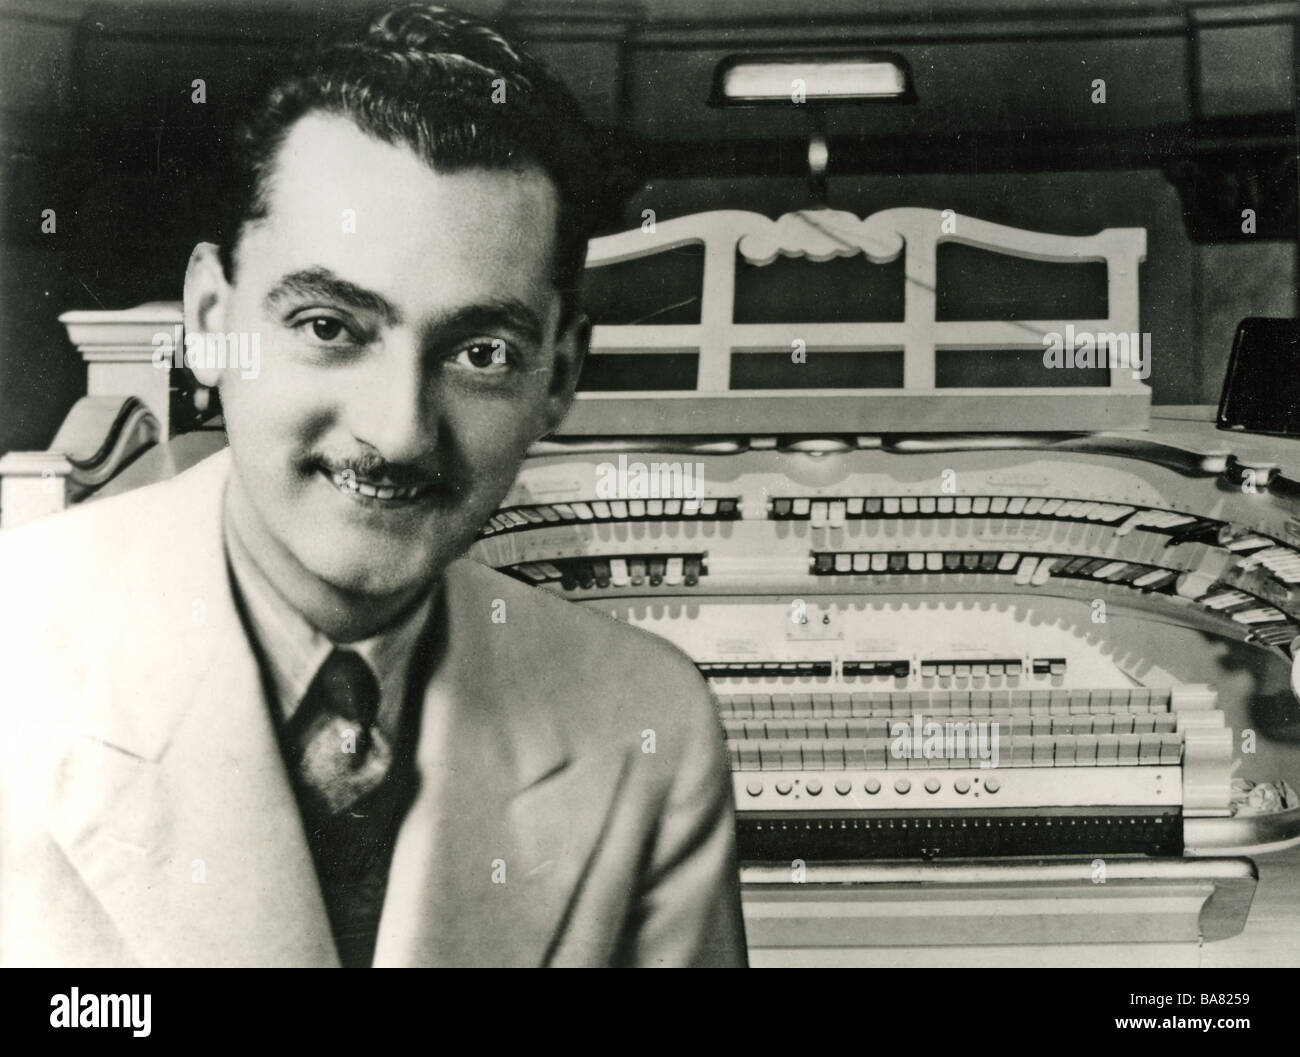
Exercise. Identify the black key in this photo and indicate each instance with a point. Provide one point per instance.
(656, 568)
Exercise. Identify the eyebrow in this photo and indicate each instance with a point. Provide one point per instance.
(324, 284)
(489, 315)
(327, 286)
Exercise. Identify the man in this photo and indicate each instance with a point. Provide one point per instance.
(265, 713)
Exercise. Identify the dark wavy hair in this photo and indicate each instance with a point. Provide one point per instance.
(425, 77)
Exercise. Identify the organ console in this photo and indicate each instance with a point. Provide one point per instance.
(983, 682)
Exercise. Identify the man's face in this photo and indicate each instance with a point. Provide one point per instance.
(409, 354)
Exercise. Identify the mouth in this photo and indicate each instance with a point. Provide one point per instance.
(378, 492)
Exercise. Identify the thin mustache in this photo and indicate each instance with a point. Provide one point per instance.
(379, 471)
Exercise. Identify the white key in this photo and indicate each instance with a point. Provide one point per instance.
(1025, 572)
(1193, 585)
(891, 504)
(854, 505)
(934, 562)
(817, 515)
(1246, 543)
(915, 561)
(1008, 562)
(1044, 572)
(618, 572)
(801, 507)
(861, 563)
(1262, 615)
(835, 514)
(1133, 522)
(879, 563)
(673, 571)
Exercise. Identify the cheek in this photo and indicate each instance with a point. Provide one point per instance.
(498, 444)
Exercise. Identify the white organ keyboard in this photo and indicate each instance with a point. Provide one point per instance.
(932, 661)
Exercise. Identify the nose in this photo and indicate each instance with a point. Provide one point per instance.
(391, 407)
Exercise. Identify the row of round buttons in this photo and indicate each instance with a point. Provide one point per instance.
(872, 785)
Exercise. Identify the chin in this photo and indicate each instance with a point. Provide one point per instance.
(368, 573)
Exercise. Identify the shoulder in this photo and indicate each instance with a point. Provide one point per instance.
(122, 524)
(553, 622)
(102, 559)
(596, 665)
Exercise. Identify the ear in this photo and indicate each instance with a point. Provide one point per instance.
(570, 352)
(207, 295)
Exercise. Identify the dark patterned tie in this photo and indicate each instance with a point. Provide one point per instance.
(341, 756)
(350, 804)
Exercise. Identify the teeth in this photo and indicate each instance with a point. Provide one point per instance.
(349, 483)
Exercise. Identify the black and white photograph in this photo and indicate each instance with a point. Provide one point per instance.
(650, 483)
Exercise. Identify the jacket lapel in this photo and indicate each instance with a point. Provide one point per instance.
(499, 836)
(173, 803)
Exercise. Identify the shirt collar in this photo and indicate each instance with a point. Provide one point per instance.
(293, 650)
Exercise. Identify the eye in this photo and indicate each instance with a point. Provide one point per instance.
(485, 354)
(326, 330)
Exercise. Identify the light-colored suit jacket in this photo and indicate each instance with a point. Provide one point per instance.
(572, 806)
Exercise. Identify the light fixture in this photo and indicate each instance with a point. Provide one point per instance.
(812, 80)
